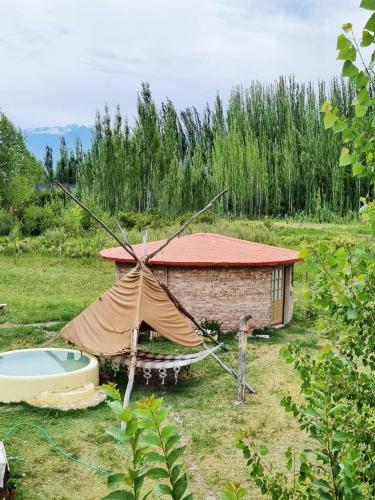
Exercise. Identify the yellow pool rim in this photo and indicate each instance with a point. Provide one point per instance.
(16, 388)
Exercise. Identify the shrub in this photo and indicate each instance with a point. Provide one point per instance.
(70, 220)
(205, 218)
(141, 220)
(212, 325)
(36, 220)
(7, 221)
(47, 196)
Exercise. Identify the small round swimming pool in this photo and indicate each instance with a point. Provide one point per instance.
(32, 374)
(41, 362)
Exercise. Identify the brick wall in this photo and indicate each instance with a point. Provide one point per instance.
(223, 294)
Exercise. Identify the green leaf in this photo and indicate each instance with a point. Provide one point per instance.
(360, 110)
(147, 423)
(303, 253)
(363, 95)
(286, 354)
(326, 107)
(118, 434)
(347, 54)
(119, 479)
(161, 415)
(340, 252)
(157, 473)
(349, 69)
(180, 486)
(345, 158)
(329, 120)
(341, 125)
(361, 80)
(171, 442)
(120, 495)
(368, 4)
(343, 42)
(175, 472)
(151, 439)
(188, 497)
(340, 437)
(152, 456)
(289, 458)
(174, 455)
(112, 391)
(321, 484)
(156, 403)
(263, 449)
(126, 415)
(228, 495)
(165, 489)
(367, 39)
(310, 412)
(358, 169)
(370, 25)
(167, 431)
(115, 406)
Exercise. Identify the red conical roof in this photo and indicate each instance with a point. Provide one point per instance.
(208, 250)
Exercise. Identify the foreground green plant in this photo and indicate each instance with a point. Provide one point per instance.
(153, 449)
(338, 384)
(357, 131)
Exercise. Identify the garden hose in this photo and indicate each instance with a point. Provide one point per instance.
(60, 450)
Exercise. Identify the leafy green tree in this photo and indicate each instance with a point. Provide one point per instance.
(19, 169)
(48, 163)
(337, 385)
(269, 147)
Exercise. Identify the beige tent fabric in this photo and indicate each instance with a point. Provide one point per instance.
(105, 326)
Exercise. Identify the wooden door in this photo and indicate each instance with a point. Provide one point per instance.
(277, 287)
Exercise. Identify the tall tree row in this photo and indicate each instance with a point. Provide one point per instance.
(267, 144)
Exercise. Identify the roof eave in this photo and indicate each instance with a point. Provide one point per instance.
(207, 264)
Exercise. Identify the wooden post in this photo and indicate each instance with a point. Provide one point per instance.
(229, 370)
(132, 367)
(242, 336)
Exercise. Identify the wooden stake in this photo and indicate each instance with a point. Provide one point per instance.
(230, 370)
(131, 372)
(242, 336)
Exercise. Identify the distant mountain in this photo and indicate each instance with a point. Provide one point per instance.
(38, 138)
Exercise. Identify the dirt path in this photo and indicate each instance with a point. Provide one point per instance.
(33, 325)
(192, 466)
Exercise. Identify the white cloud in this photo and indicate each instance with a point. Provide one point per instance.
(62, 60)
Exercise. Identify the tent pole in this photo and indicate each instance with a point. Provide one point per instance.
(229, 370)
(125, 246)
(131, 374)
(185, 225)
(181, 308)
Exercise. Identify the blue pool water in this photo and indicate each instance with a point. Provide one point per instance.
(43, 362)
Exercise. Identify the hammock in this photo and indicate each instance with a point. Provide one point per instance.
(153, 361)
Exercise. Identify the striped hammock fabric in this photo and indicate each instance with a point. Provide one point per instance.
(151, 360)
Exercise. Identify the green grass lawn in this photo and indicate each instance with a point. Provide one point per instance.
(48, 289)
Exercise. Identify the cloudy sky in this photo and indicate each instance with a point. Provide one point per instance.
(61, 60)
